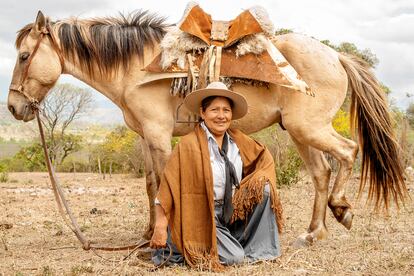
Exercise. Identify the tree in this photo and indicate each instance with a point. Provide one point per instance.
(351, 48)
(283, 31)
(65, 104)
(32, 158)
(120, 152)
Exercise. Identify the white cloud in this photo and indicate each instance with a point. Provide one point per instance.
(7, 59)
(398, 28)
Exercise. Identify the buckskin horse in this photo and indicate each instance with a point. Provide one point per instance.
(108, 54)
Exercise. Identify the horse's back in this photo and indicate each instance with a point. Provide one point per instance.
(321, 69)
(313, 60)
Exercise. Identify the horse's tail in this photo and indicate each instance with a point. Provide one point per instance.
(370, 119)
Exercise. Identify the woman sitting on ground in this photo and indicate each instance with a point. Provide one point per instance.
(218, 190)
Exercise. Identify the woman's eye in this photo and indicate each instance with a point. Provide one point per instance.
(24, 56)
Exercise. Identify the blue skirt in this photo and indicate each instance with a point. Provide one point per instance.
(243, 241)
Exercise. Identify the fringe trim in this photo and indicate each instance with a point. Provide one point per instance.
(250, 194)
(247, 197)
(203, 259)
(179, 86)
(277, 210)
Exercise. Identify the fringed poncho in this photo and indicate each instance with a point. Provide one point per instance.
(187, 197)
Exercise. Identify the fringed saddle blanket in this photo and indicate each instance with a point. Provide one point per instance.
(200, 50)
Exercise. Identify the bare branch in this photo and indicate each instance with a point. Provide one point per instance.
(65, 104)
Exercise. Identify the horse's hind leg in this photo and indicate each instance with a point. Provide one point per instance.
(338, 204)
(344, 150)
(320, 172)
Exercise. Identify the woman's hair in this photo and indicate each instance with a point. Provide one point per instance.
(207, 101)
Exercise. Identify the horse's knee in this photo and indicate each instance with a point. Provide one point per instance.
(354, 147)
(347, 158)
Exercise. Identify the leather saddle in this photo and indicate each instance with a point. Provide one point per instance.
(220, 33)
(267, 66)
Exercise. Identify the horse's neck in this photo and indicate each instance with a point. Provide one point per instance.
(114, 87)
(110, 89)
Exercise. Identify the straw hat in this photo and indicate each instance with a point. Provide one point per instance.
(194, 99)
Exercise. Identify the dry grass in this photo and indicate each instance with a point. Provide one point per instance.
(35, 241)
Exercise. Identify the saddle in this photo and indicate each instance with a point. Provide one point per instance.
(204, 50)
(220, 33)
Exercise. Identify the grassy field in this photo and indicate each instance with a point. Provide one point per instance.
(35, 241)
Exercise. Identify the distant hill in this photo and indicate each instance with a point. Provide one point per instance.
(11, 129)
(92, 126)
(5, 115)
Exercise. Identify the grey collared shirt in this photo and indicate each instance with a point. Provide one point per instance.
(218, 165)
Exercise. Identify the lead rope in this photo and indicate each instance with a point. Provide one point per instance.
(73, 224)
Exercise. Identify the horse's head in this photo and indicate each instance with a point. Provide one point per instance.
(38, 66)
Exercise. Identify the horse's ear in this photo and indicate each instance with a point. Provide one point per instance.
(40, 23)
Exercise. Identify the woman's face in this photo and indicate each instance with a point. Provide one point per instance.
(217, 116)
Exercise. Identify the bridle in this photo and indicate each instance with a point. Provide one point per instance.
(63, 205)
(44, 32)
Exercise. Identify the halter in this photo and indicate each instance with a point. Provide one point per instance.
(45, 31)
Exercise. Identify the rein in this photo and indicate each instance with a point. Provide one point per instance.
(63, 205)
(73, 224)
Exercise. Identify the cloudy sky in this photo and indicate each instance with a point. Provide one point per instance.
(385, 27)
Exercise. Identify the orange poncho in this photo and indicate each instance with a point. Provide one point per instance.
(186, 193)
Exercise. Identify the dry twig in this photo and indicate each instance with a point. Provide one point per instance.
(290, 258)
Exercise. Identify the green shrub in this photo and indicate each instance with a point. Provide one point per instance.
(288, 172)
(16, 165)
(3, 166)
(288, 163)
(67, 166)
(4, 177)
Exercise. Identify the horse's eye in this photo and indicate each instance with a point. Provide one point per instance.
(24, 56)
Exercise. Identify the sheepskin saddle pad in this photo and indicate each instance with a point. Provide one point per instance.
(240, 48)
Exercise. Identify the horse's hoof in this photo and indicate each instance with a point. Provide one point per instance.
(304, 240)
(347, 219)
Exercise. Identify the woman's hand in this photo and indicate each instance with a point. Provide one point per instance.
(159, 237)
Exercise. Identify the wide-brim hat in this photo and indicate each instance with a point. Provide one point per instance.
(193, 100)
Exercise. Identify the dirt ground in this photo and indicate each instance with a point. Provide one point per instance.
(35, 241)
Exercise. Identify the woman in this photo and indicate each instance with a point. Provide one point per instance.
(218, 191)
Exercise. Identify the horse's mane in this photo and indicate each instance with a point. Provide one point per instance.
(107, 42)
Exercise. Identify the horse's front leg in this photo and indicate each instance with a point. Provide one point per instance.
(151, 187)
(157, 149)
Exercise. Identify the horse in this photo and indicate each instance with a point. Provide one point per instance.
(108, 54)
